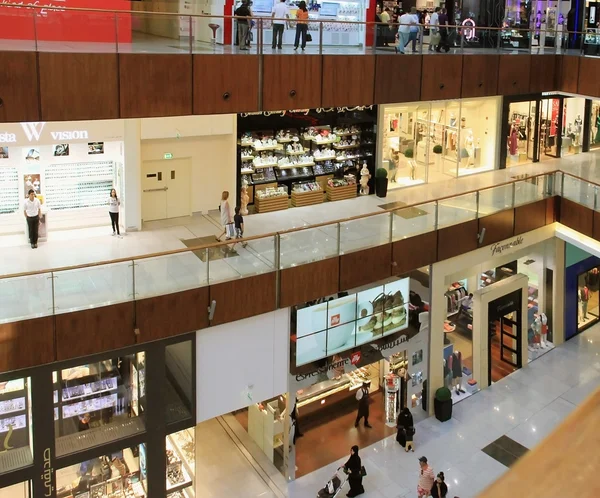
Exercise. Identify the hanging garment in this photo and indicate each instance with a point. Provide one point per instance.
(513, 142)
(456, 365)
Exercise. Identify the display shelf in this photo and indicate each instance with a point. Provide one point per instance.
(342, 147)
(90, 405)
(247, 158)
(12, 386)
(267, 165)
(307, 198)
(265, 148)
(12, 405)
(268, 204)
(14, 423)
(295, 152)
(328, 158)
(247, 171)
(341, 193)
(341, 159)
(92, 388)
(178, 474)
(297, 165)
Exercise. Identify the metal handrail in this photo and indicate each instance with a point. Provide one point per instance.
(274, 234)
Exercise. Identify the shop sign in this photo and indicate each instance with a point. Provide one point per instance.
(307, 111)
(7, 138)
(47, 474)
(34, 131)
(498, 248)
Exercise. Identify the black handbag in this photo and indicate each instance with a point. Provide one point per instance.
(363, 471)
(308, 37)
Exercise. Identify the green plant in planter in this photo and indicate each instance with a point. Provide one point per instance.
(381, 173)
(437, 149)
(443, 394)
(408, 153)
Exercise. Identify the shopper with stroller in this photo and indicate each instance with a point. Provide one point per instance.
(353, 467)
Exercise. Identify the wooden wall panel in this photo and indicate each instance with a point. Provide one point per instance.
(577, 217)
(243, 298)
(225, 83)
(552, 209)
(498, 226)
(19, 87)
(542, 77)
(441, 77)
(172, 314)
(391, 83)
(414, 252)
(457, 239)
(589, 76)
(366, 266)
(96, 330)
(480, 75)
(596, 231)
(530, 216)
(348, 80)
(303, 283)
(75, 86)
(567, 73)
(513, 74)
(291, 82)
(27, 343)
(154, 85)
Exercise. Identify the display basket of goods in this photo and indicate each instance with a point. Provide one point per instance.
(340, 189)
(271, 199)
(306, 194)
(442, 404)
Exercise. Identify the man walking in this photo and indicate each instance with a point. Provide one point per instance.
(434, 30)
(243, 13)
(406, 21)
(362, 396)
(280, 11)
(443, 22)
(426, 479)
(32, 210)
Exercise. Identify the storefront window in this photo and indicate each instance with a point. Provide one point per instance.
(15, 424)
(521, 133)
(479, 135)
(115, 474)
(181, 464)
(99, 402)
(179, 378)
(21, 490)
(572, 126)
(588, 284)
(595, 124)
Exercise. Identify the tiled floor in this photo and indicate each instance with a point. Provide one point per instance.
(524, 407)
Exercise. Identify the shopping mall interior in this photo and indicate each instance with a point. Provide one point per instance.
(224, 268)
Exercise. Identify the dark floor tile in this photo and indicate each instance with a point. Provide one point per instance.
(510, 445)
(392, 205)
(499, 454)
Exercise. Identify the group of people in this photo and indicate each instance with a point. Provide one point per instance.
(405, 27)
(233, 225)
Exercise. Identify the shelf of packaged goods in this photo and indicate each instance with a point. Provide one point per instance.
(294, 152)
(342, 147)
(247, 158)
(285, 140)
(320, 142)
(328, 158)
(18, 405)
(188, 481)
(88, 391)
(347, 133)
(307, 198)
(341, 193)
(265, 148)
(341, 159)
(297, 165)
(268, 165)
(268, 204)
(247, 171)
(246, 143)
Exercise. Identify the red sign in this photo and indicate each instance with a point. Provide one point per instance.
(335, 320)
(355, 358)
(19, 23)
(554, 120)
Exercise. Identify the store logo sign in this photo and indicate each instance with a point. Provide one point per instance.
(47, 474)
(335, 320)
(355, 358)
(7, 138)
(497, 249)
(33, 131)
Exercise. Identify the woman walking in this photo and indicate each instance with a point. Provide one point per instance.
(301, 25)
(439, 489)
(353, 469)
(404, 423)
(226, 217)
(113, 211)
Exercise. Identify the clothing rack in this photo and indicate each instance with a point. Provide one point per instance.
(453, 299)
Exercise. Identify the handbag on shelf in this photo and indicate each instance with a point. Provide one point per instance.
(308, 37)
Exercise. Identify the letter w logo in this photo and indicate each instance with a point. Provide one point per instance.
(33, 130)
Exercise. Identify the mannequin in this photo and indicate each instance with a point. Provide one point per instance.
(513, 140)
(537, 331)
(544, 330)
(469, 145)
(456, 366)
(597, 139)
(364, 179)
(244, 198)
(584, 297)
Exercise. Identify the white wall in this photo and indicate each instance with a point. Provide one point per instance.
(241, 363)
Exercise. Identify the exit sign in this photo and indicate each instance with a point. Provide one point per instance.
(168, 155)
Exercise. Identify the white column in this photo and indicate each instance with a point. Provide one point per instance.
(558, 293)
(437, 316)
(133, 167)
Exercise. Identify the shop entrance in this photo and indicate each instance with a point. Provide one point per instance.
(504, 338)
(166, 189)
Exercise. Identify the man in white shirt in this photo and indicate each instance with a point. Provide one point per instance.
(433, 28)
(280, 11)
(32, 210)
(407, 21)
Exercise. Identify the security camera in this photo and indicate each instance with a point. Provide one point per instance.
(481, 236)
(211, 310)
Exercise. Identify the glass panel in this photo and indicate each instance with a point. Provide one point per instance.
(122, 473)
(15, 425)
(154, 33)
(572, 129)
(65, 31)
(237, 260)
(411, 221)
(595, 120)
(179, 381)
(181, 463)
(532, 190)
(578, 191)
(99, 402)
(21, 490)
(366, 232)
(172, 273)
(479, 129)
(495, 199)
(93, 287)
(311, 348)
(588, 301)
(306, 246)
(25, 297)
(457, 210)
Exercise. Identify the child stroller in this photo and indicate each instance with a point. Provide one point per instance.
(334, 486)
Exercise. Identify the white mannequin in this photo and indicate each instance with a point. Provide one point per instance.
(544, 330)
(364, 179)
(537, 330)
(469, 145)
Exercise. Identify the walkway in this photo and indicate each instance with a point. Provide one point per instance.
(525, 407)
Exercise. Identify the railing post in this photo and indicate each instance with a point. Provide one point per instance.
(391, 230)
(462, 40)
(277, 261)
(320, 38)
(259, 26)
(499, 40)
(436, 222)
(477, 205)
(116, 33)
(562, 185)
(421, 36)
(514, 194)
(35, 36)
(595, 198)
(52, 277)
(133, 278)
(207, 256)
(191, 36)
(339, 241)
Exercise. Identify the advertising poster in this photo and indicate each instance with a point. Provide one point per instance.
(3, 152)
(61, 150)
(32, 182)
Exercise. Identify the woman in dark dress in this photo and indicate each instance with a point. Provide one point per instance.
(405, 420)
(352, 467)
(439, 489)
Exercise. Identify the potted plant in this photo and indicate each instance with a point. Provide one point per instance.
(442, 404)
(381, 182)
(437, 150)
(408, 153)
